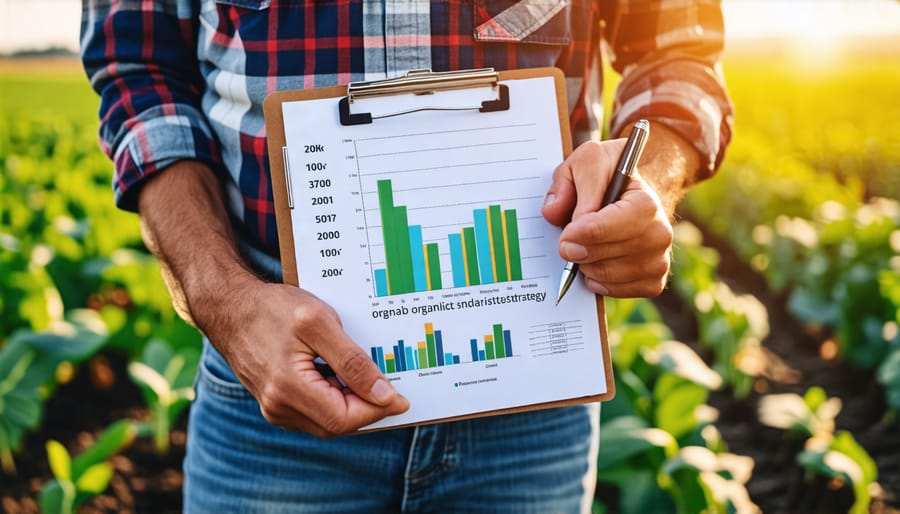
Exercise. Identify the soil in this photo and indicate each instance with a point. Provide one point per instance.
(797, 358)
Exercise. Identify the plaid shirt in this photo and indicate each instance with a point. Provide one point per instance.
(185, 79)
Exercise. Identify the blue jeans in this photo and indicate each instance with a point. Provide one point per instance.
(541, 462)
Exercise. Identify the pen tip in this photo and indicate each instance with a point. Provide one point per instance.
(642, 124)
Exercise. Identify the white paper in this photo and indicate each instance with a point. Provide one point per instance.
(443, 166)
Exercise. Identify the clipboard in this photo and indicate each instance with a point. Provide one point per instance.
(424, 88)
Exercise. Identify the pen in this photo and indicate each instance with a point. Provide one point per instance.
(624, 168)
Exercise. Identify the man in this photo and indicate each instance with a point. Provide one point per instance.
(182, 84)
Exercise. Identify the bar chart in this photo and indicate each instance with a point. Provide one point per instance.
(430, 352)
(486, 252)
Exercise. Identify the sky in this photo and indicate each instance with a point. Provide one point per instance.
(36, 24)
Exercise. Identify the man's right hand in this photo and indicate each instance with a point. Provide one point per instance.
(270, 334)
(274, 332)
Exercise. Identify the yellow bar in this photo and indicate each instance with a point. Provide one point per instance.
(488, 338)
(491, 240)
(427, 269)
(505, 244)
(429, 329)
(422, 345)
(462, 238)
(387, 278)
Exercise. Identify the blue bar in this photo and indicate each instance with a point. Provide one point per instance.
(375, 356)
(456, 359)
(483, 245)
(474, 344)
(381, 282)
(448, 358)
(380, 360)
(457, 263)
(439, 347)
(481, 355)
(418, 257)
(400, 355)
(410, 361)
(507, 342)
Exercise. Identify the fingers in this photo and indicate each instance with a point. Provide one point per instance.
(294, 394)
(623, 250)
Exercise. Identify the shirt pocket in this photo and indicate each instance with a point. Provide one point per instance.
(524, 21)
(254, 5)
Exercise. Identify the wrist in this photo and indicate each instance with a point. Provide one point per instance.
(670, 165)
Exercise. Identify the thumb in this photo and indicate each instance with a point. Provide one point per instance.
(561, 197)
(357, 370)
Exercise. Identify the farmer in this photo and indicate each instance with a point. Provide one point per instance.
(181, 85)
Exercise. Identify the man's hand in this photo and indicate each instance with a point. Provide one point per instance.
(623, 250)
(269, 333)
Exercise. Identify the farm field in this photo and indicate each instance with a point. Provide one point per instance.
(767, 376)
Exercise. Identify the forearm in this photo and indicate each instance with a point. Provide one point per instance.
(185, 224)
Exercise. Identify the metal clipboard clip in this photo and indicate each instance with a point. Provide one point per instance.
(424, 82)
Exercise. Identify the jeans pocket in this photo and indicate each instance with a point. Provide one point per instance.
(524, 21)
(219, 386)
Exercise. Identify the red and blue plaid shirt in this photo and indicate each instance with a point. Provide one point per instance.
(185, 79)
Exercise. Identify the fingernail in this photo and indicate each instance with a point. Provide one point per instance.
(574, 252)
(550, 198)
(382, 392)
(596, 287)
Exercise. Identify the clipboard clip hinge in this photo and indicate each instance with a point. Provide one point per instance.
(424, 82)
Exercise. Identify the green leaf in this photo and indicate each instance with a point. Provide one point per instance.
(642, 495)
(681, 360)
(21, 408)
(889, 376)
(149, 378)
(157, 355)
(117, 436)
(51, 498)
(675, 412)
(627, 436)
(60, 462)
(96, 478)
(814, 397)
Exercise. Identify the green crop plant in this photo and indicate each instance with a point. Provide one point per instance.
(77, 480)
(28, 363)
(833, 455)
(659, 423)
(165, 377)
(732, 326)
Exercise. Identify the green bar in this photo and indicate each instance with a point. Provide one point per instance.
(404, 251)
(423, 358)
(498, 342)
(497, 239)
(471, 255)
(391, 367)
(488, 349)
(434, 266)
(512, 239)
(432, 353)
(388, 232)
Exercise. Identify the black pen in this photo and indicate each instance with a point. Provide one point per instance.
(624, 168)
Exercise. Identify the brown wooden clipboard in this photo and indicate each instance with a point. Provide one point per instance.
(412, 83)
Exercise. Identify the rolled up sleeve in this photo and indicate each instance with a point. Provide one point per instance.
(141, 58)
(669, 55)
